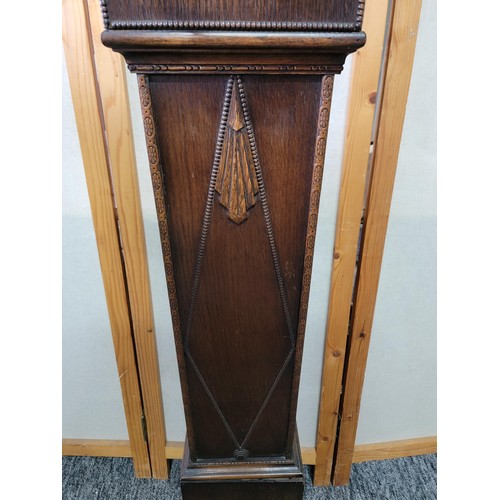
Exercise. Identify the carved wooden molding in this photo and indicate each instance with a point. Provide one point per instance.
(236, 68)
(173, 24)
(105, 16)
(235, 25)
(234, 52)
(161, 209)
(236, 180)
(319, 161)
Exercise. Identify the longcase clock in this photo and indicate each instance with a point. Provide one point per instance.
(236, 101)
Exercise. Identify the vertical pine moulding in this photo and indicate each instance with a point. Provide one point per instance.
(400, 53)
(87, 107)
(236, 121)
(365, 75)
(112, 87)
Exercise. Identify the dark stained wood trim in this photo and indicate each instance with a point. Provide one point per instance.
(233, 41)
(298, 69)
(258, 469)
(161, 208)
(312, 220)
(235, 25)
(234, 52)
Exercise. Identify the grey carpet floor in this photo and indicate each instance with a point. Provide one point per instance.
(89, 478)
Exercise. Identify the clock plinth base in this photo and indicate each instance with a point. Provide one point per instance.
(243, 490)
(258, 478)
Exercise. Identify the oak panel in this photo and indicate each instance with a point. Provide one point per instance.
(239, 337)
(258, 14)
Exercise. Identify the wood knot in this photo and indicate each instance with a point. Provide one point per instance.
(372, 98)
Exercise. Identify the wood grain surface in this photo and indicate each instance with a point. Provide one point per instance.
(215, 13)
(395, 449)
(86, 102)
(361, 109)
(239, 338)
(113, 448)
(113, 90)
(396, 84)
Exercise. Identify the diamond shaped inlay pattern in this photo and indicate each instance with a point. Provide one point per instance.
(237, 177)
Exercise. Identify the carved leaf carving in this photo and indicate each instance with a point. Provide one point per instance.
(236, 180)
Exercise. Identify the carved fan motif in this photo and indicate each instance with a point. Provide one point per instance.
(236, 180)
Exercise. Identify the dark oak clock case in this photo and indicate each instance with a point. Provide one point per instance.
(236, 101)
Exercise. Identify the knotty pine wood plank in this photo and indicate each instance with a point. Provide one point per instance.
(96, 448)
(308, 456)
(79, 58)
(174, 450)
(113, 448)
(116, 113)
(400, 53)
(362, 98)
